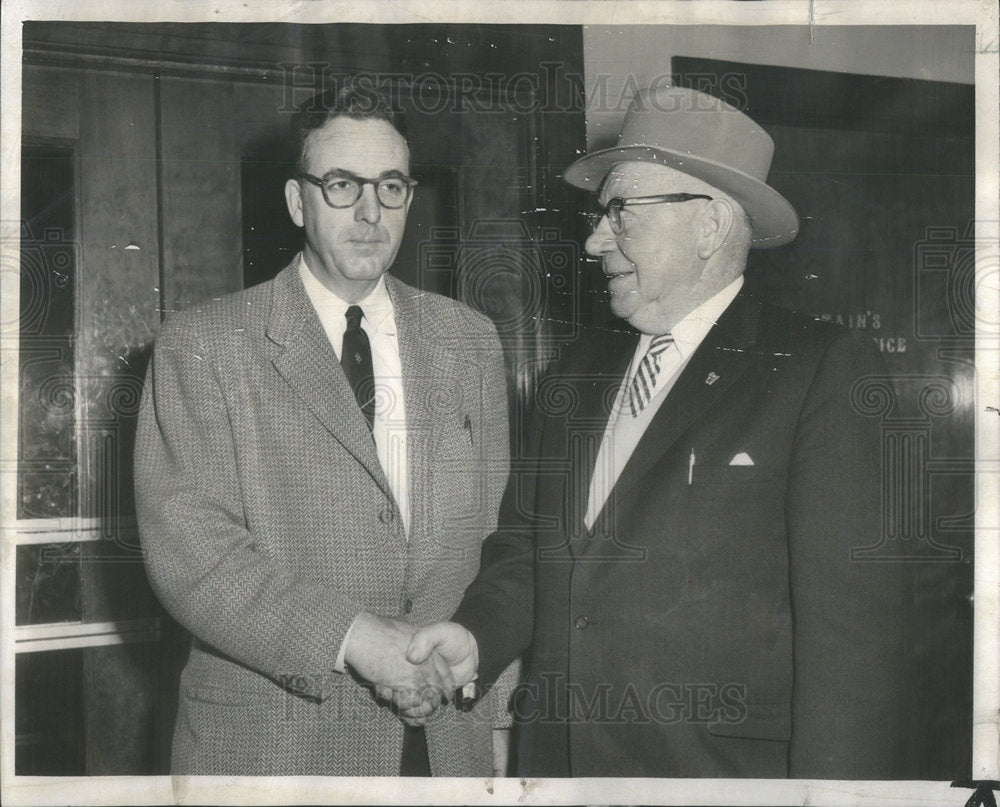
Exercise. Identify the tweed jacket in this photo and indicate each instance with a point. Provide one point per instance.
(722, 617)
(267, 524)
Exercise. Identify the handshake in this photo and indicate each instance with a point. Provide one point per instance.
(415, 669)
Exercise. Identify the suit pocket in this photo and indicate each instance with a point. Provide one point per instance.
(454, 479)
(714, 475)
(763, 721)
(216, 696)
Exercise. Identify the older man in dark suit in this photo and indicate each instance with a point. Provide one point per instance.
(318, 460)
(679, 555)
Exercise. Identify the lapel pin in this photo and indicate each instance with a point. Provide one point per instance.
(712, 378)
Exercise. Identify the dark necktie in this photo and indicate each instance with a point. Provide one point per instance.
(356, 359)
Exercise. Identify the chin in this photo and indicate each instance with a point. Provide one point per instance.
(621, 309)
(368, 269)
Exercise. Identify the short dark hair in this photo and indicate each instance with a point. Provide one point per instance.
(353, 99)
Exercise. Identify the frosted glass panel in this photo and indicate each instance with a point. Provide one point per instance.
(47, 476)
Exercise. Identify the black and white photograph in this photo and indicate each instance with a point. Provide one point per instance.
(527, 402)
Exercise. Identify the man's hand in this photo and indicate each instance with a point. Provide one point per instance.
(376, 651)
(453, 643)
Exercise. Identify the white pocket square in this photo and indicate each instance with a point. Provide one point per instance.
(741, 459)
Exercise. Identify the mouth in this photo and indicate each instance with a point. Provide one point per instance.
(611, 274)
(367, 236)
(618, 269)
(619, 278)
(366, 245)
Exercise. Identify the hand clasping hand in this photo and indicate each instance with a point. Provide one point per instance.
(453, 645)
(376, 651)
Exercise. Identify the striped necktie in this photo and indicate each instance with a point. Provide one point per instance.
(641, 388)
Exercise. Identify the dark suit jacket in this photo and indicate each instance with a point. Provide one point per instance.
(268, 523)
(714, 622)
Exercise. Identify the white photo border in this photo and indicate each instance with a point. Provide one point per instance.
(18, 790)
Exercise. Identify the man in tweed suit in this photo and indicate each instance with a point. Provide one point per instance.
(300, 525)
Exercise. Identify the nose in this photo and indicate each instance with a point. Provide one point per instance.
(368, 208)
(602, 240)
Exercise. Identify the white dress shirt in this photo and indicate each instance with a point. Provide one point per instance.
(389, 427)
(623, 431)
(379, 323)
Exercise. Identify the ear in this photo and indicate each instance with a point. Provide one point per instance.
(293, 200)
(716, 225)
(413, 191)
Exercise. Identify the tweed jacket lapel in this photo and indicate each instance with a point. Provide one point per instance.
(305, 359)
(723, 356)
(429, 378)
(428, 372)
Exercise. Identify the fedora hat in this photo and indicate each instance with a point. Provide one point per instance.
(707, 138)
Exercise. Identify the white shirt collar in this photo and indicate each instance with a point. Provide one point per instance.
(694, 327)
(377, 305)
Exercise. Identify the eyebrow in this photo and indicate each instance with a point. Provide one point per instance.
(603, 196)
(392, 173)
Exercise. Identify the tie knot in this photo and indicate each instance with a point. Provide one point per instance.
(643, 385)
(354, 315)
(660, 343)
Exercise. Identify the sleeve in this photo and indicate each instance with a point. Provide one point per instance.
(202, 560)
(495, 419)
(496, 409)
(848, 607)
(498, 606)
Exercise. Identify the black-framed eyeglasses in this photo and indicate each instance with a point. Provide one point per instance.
(613, 209)
(343, 189)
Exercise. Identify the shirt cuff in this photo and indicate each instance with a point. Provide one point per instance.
(338, 665)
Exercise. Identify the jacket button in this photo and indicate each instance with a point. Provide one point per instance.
(408, 606)
(581, 622)
(386, 515)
